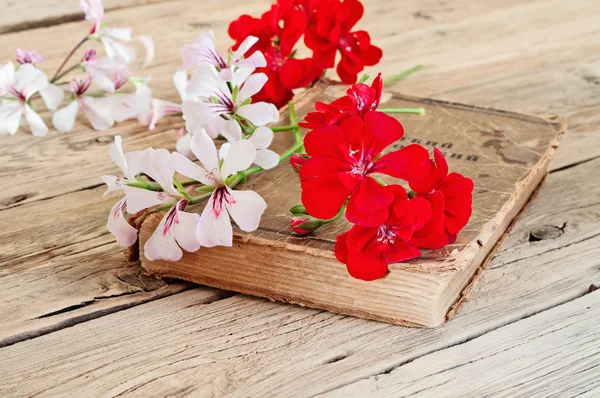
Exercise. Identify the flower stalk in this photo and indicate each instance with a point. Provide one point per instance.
(402, 75)
(66, 59)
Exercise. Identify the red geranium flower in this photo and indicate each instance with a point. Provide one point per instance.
(358, 100)
(278, 31)
(330, 31)
(367, 251)
(450, 196)
(343, 159)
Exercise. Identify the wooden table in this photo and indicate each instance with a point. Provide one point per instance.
(77, 320)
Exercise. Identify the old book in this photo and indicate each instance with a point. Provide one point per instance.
(506, 154)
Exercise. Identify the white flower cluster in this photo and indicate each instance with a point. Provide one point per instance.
(120, 95)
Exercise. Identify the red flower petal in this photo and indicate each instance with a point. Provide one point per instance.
(371, 56)
(340, 248)
(368, 264)
(400, 251)
(326, 141)
(323, 196)
(441, 164)
(367, 219)
(381, 130)
(320, 166)
(432, 235)
(410, 163)
(358, 237)
(371, 196)
(428, 183)
(353, 131)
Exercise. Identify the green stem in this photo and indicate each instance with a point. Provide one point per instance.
(156, 187)
(284, 128)
(66, 72)
(67, 57)
(402, 75)
(414, 111)
(364, 78)
(198, 199)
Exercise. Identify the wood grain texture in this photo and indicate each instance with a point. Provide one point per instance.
(554, 353)
(505, 154)
(250, 347)
(24, 15)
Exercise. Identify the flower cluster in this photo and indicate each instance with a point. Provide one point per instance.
(327, 28)
(220, 98)
(341, 171)
(217, 101)
(119, 95)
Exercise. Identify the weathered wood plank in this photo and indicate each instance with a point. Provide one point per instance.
(250, 347)
(64, 267)
(555, 353)
(23, 15)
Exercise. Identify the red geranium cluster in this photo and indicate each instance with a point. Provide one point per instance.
(344, 149)
(326, 26)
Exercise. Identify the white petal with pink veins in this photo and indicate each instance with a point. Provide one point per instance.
(205, 150)
(162, 244)
(115, 49)
(37, 125)
(52, 96)
(157, 165)
(123, 34)
(125, 234)
(10, 117)
(134, 161)
(256, 60)
(180, 82)
(251, 86)
(7, 76)
(262, 137)
(185, 231)
(99, 111)
(183, 146)
(231, 130)
(214, 226)
(266, 158)
(260, 113)
(64, 119)
(244, 47)
(114, 183)
(130, 106)
(116, 154)
(246, 209)
(29, 80)
(186, 167)
(140, 199)
(200, 51)
(240, 156)
(240, 75)
(205, 82)
(148, 44)
(161, 109)
(198, 114)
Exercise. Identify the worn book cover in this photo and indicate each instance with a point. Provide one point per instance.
(505, 154)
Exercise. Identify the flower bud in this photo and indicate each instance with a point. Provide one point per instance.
(298, 160)
(299, 209)
(90, 55)
(305, 225)
(28, 57)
